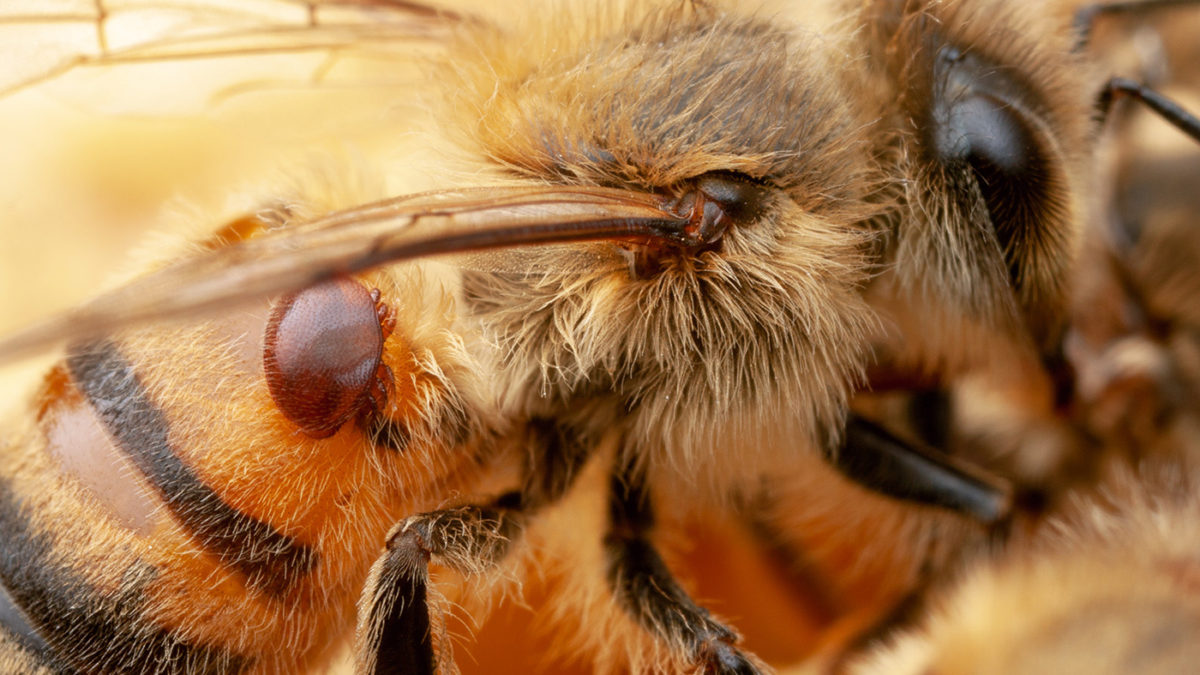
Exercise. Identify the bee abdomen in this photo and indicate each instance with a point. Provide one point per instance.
(59, 621)
(22, 648)
(271, 561)
(192, 515)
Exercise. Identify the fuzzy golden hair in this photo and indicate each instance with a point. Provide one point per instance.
(1108, 587)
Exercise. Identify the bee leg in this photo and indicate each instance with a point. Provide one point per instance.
(647, 590)
(881, 462)
(395, 634)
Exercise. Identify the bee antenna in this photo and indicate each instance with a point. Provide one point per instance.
(1166, 108)
(1085, 17)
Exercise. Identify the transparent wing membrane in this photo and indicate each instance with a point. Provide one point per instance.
(357, 239)
(40, 41)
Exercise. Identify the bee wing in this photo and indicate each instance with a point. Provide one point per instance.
(40, 41)
(353, 240)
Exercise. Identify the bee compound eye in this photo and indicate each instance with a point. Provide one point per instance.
(321, 351)
(995, 139)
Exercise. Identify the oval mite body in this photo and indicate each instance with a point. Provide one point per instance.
(322, 350)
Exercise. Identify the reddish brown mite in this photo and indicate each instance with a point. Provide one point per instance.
(323, 355)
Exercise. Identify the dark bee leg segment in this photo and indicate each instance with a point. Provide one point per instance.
(394, 631)
(1166, 108)
(394, 628)
(393, 624)
(881, 462)
(646, 589)
(930, 412)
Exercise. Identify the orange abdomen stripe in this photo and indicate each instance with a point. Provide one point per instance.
(272, 562)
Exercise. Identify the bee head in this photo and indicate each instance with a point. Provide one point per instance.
(744, 129)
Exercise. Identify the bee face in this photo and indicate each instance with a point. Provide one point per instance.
(948, 170)
(662, 99)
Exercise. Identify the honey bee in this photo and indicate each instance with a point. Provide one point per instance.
(681, 236)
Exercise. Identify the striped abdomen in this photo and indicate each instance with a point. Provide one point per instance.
(160, 513)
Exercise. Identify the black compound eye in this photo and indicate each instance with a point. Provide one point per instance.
(983, 118)
(1012, 172)
(994, 138)
(991, 136)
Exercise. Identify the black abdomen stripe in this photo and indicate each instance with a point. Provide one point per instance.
(271, 561)
(15, 625)
(88, 631)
